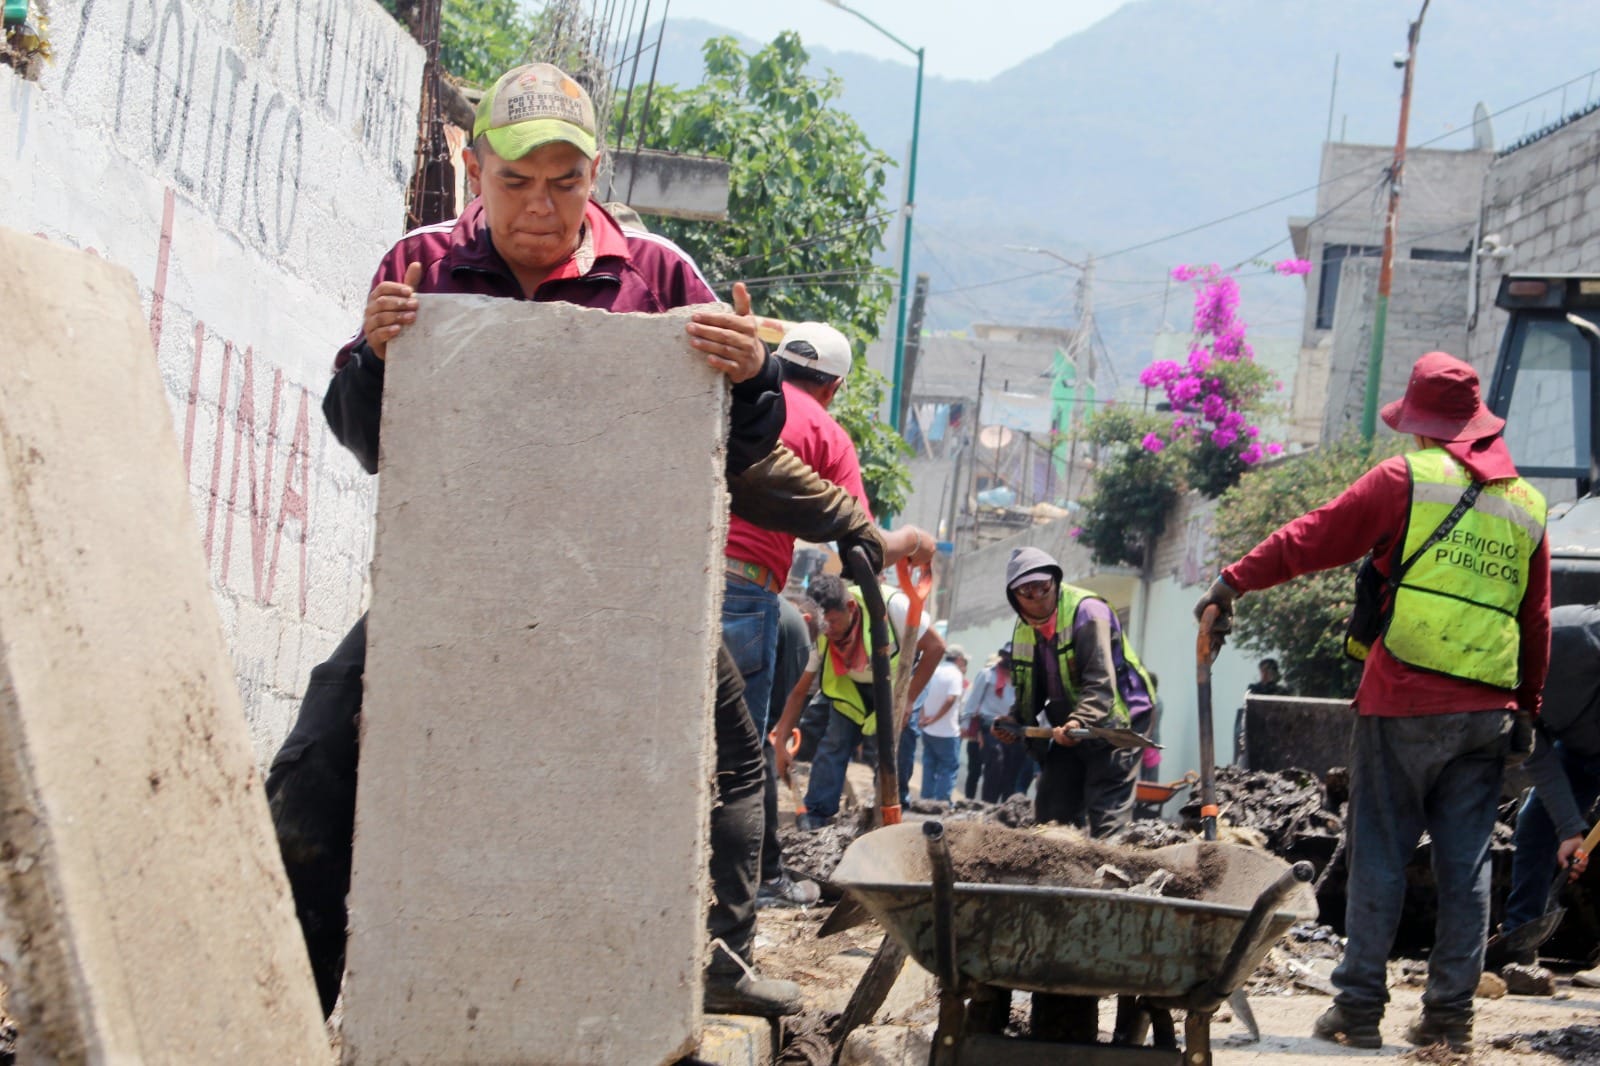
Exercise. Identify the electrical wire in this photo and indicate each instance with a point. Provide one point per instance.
(1264, 204)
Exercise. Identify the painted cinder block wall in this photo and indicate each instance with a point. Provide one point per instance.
(247, 162)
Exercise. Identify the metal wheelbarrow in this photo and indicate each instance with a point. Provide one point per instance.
(984, 940)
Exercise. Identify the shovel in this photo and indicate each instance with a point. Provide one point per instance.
(1530, 935)
(1117, 738)
(1206, 647)
(882, 684)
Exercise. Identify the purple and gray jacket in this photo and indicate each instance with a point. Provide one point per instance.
(613, 269)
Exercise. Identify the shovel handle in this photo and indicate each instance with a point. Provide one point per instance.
(1583, 851)
(882, 686)
(1206, 646)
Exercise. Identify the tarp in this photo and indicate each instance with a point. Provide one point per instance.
(1015, 410)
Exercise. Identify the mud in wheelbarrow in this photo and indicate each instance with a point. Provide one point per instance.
(1169, 951)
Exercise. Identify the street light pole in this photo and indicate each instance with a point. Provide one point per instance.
(895, 383)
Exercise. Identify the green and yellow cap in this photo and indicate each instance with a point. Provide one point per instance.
(533, 105)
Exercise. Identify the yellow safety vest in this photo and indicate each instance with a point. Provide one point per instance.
(1022, 659)
(844, 692)
(1455, 611)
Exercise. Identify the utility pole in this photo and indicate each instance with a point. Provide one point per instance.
(972, 458)
(1391, 228)
(1082, 356)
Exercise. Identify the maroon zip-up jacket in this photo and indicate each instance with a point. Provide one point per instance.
(613, 269)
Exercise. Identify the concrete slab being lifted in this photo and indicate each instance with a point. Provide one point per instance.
(146, 915)
(530, 854)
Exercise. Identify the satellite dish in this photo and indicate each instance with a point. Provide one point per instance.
(1482, 132)
(994, 437)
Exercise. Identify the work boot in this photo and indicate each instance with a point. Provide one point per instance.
(742, 993)
(1428, 1030)
(1587, 978)
(785, 891)
(1340, 1026)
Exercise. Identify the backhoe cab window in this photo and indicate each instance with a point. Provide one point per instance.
(1547, 418)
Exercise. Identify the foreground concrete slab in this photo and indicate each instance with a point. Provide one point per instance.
(146, 915)
(530, 854)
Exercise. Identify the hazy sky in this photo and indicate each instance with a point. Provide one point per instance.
(963, 39)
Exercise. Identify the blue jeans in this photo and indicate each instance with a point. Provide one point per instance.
(750, 630)
(940, 756)
(828, 765)
(1533, 864)
(1439, 773)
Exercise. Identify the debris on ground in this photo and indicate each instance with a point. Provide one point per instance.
(1016, 812)
(1528, 979)
(1304, 957)
(1575, 1043)
(988, 854)
(806, 1039)
(1150, 833)
(954, 810)
(1491, 986)
(814, 853)
(1437, 1055)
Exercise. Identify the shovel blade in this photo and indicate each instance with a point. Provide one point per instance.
(1529, 936)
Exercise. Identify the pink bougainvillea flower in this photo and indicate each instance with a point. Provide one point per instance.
(1153, 444)
(1075, 532)
(1274, 448)
(1224, 438)
(1183, 391)
(1251, 455)
(1291, 267)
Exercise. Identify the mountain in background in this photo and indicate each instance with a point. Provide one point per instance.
(1168, 114)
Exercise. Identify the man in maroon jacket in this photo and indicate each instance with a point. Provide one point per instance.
(534, 233)
(1465, 646)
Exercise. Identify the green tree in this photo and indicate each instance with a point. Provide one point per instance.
(884, 473)
(805, 213)
(1301, 621)
(1134, 487)
(478, 39)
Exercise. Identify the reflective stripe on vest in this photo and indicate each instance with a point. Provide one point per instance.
(844, 692)
(1455, 612)
(1022, 660)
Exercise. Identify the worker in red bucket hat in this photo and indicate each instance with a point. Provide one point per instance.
(1455, 638)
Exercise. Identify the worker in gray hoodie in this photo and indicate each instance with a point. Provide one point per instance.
(1072, 667)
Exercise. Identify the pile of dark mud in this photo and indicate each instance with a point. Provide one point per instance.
(996, 855)
(1575, 1043)
(1150, 833)
(1283, 805)
(814, 853)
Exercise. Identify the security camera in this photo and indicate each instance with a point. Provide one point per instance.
(1399, 61)
(1493, 246)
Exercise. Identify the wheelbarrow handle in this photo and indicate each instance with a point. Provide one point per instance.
(943, 881)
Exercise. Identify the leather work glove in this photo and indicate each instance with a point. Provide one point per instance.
(1006, 729)
(1221, 594)
(1521, 738)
